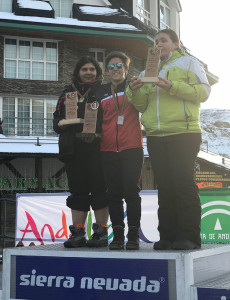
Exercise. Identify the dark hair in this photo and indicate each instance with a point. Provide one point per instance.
(125, 59)
(86, 60)
(172, 34)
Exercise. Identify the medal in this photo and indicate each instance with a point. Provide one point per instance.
(82, 97)
(120, 120)
(94, 105)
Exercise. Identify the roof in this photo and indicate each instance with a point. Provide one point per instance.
(67, 22)
(208, 156)
(41, 5)
(44, 146)
(28, 146)
(214, 159)
(32, 8)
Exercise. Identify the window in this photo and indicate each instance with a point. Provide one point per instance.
(164, 15)
(62, 8)
(28, 117)
(143, 11)
(31, 59)
(99, 55)
(6, 5)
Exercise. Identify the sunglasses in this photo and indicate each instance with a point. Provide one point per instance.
(112, 66)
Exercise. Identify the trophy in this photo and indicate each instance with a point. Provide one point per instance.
(71, 110)
(89, 121)
(151, 70)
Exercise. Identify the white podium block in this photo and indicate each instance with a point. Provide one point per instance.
(53, 272)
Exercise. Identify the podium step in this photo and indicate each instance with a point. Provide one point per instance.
(214, 289)
(53, 272)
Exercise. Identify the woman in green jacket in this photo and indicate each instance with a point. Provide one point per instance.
(170, 114)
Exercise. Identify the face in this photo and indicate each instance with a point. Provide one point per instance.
(118, 73)
(164, 42)
(88, 73)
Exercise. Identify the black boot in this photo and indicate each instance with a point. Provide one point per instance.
(99, 238)
(133, 238)
(77, 238)
(118, 238)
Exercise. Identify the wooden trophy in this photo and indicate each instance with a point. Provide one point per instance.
(71, 110)
(151, 70)
(90, 121)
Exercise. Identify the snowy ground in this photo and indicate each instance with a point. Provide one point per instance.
(215, 124)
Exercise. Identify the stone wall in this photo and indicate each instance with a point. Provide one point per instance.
(68, 54)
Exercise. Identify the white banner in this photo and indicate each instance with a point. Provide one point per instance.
(45, 218)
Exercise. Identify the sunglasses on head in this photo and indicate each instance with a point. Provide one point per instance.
(112, 66)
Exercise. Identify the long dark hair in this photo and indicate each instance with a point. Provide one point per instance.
(86, 60)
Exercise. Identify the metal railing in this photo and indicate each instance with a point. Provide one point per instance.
(143, 14)
(3, 223)
(26, 126)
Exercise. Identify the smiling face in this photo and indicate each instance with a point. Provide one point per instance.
(117, 74)
(164, 42)
(88, 73)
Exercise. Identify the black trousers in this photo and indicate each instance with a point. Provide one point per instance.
(85, 178)
(173, 162)
(122, 172)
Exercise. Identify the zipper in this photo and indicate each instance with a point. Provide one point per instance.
(186, 115)
(167, 75)
(158, 113)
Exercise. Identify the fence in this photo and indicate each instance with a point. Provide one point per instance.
(4, 224)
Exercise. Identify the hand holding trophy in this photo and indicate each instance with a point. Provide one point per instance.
(71, 110)
(151, 70)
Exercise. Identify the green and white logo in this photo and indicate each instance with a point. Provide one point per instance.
(215, 219)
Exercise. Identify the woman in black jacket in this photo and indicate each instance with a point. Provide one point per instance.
(81, 157)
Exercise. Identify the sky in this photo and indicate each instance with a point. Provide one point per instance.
(204, 30)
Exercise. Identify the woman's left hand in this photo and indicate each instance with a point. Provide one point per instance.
(164, 83)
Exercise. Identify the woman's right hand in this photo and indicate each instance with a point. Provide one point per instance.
(60, 125)
(135, 83)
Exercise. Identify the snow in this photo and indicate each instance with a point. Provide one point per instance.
(34, 4)
(28, 145)
(203, 154)
(215, 125)
(67, 21)
(215, 158)
(48, 145)
(92, 10)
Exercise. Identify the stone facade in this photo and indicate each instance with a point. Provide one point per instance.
(68, 54)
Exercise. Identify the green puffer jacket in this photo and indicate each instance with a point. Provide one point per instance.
(177, 110)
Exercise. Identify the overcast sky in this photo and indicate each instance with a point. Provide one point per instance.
(205, 31)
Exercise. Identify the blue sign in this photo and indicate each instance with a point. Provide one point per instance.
(213, 294)
(78, 278)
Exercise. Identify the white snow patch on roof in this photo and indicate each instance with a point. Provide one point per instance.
(92, 10)
(28, 145)
(214, 158)
(49, 145)
(207, 155)
(67, 21)
(34, 4)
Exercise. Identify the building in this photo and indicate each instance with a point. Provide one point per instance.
(40, 41)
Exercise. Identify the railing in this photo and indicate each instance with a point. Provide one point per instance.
(143, 14)
(21, 126)
(3, 222)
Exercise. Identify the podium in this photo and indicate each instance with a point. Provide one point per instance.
(53, 272)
